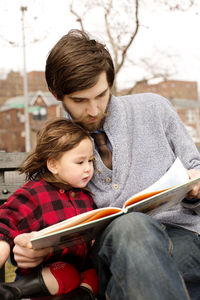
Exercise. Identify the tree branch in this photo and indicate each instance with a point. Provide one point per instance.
(111, 40)
(119, 66)
(79, 19)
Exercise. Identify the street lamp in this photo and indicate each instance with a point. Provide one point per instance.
(26, 113)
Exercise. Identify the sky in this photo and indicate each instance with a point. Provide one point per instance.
(162, 33)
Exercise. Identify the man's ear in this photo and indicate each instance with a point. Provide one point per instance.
(52, 165)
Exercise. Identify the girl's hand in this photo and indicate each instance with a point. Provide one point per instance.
(24, 255)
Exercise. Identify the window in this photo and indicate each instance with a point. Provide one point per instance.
(192, 132)
(40, 113)
(190, 116)
(43, 113)
(36, 114)
(18, 115)
(8, 118)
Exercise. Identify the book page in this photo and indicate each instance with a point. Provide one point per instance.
(176, 175)
(74, 235)
(165, 199)
(79, 219)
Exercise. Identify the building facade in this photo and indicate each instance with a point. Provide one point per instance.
(42, 107)
(183, 95)
(13, 84)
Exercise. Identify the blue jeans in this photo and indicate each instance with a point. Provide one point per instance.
(137, 258)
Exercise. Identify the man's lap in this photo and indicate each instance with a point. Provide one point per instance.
(186, 254)
(138, 231)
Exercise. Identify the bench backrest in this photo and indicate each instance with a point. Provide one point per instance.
(10, 180)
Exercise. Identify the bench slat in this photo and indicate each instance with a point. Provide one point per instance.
(6, 190)
(11, 161)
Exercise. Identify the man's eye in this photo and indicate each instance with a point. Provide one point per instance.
(102, 95)
(78, 100)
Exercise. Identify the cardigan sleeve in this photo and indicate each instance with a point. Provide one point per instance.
(178, 137)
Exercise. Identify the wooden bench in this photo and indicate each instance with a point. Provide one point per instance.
(10, 180)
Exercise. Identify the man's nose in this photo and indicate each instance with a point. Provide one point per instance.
(92, 108)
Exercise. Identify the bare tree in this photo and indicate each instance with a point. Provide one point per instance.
(182, 5)
(122, 24)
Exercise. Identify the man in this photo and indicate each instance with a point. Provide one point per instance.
(137, 257)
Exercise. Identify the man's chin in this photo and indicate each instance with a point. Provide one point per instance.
(92, 126)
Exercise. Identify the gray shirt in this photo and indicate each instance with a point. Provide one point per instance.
(146, 135)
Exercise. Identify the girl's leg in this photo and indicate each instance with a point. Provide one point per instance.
(30, 285)
(60, 278)
(45, 283)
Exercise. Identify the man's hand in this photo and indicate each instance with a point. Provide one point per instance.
(195, 192)
(24, 255)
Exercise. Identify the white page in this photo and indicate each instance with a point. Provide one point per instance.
(176, 175)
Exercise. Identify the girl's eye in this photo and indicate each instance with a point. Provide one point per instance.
(80, 162)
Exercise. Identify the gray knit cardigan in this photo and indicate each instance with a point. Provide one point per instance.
(146, 135)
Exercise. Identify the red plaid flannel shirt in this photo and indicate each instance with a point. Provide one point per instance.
(39, 204)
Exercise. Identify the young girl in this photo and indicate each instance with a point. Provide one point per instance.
(58, 171)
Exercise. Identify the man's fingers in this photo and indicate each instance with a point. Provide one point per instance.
(195, 192)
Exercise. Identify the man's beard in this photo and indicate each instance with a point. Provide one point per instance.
(84, 122)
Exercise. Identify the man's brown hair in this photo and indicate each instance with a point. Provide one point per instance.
(75, 63)
(56, 137)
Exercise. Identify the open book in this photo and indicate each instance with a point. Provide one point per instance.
(170, 189)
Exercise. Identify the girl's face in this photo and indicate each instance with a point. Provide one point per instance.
(75, 167)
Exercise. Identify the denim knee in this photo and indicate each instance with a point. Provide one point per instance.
(134, 249)
(136, 226)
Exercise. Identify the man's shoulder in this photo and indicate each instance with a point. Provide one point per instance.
(144, 100)
(143, 97)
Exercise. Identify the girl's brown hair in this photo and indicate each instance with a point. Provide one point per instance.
(75, 63)
(53, 140)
